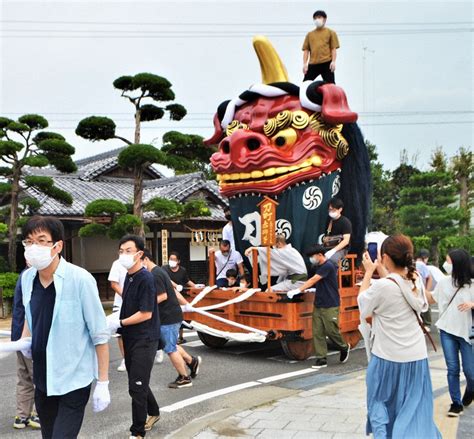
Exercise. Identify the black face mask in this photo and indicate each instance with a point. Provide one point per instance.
(228, 217)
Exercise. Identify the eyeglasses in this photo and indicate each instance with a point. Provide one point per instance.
(127, 252)
(41, 242)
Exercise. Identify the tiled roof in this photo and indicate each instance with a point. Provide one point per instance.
(87, 185)
(92, 167)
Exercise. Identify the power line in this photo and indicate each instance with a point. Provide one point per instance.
(227, 35)
(194, 24)
(442, 122)
(207, 115)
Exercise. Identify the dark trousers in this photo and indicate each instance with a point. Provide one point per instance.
(314, 70)
(326, 324)
(139, 357)
(61, 416)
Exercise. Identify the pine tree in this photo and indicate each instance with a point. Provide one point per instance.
(462, 166)
(426, 208)
(25, 146)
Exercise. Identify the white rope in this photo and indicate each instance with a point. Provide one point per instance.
(202, 294)
(237, 299)
(229, 322)
(235, 336)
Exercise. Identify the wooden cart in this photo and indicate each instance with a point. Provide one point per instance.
(289, 321)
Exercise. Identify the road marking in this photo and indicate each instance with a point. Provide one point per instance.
(190, 333)
(206, 396)
(193, 344)
(286, 375)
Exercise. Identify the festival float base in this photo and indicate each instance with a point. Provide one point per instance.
(285, 320)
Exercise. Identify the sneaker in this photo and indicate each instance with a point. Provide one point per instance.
(455, 410)
(34, 421)
(344, 356)
(180, 382)
(135, 437)
(159, 356)
(20, 422)
(122, 367)
(194, 366)
(151, 421)
(319, 363)
(468, 397)
(181, 340)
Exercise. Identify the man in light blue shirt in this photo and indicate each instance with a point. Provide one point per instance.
(69, 336)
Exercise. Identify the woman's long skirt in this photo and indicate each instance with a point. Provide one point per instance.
(400, 400)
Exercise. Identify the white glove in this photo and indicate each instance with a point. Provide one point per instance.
(187, 308)
(101, 396)
(329, 254)
(179, 288)
(26, 348)
(293, 293)
(23, 345)
(113, 322)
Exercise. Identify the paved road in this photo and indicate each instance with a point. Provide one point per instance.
(232, 365)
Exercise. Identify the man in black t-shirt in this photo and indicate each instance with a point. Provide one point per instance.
(178, 274)
(140, 329)
(337, 225)
(326, 306)
(171, 317)
(179, 279)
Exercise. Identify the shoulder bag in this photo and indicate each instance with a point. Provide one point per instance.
(420, 323)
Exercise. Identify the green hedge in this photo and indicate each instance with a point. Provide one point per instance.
(8, 282)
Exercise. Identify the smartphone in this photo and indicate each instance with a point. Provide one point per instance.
(372, 250)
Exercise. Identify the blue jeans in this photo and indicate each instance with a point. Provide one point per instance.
(452, 346)
(169, 337)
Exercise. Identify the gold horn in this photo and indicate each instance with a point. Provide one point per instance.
(273, 69)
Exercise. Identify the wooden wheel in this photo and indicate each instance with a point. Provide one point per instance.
(211, 340)
(297, 350)
(352, 338)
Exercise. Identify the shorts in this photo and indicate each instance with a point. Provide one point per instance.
(169, 337)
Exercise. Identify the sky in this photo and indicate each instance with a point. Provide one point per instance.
(406, 66)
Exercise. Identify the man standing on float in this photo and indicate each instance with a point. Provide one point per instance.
(320, 50)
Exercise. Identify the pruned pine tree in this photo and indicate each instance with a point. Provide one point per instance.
(139, 89)
(23, 146)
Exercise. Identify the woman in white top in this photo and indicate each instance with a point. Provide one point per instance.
(399, 391)
(455, 298)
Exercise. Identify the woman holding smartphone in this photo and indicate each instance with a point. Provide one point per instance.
(399, 391)
(455, 297)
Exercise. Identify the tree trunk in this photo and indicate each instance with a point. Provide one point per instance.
(434, 252)
(464, 205)
(137, 199)
(137, 125)
(12, 224)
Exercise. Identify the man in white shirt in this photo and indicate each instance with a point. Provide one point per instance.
(287, 264)
(117, 278)
(225, 259)
(228, 230)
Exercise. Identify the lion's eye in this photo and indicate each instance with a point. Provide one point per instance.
(285, 138)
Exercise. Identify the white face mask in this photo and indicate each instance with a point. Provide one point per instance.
(314, 261)
(319, 22)
(242, 285)
(127, 261)
(172, 264)
(39, 256)
(334, 215)
(448, 267)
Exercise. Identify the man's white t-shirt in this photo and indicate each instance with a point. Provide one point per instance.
(224, 263)
(228, 234)
(117, 274)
